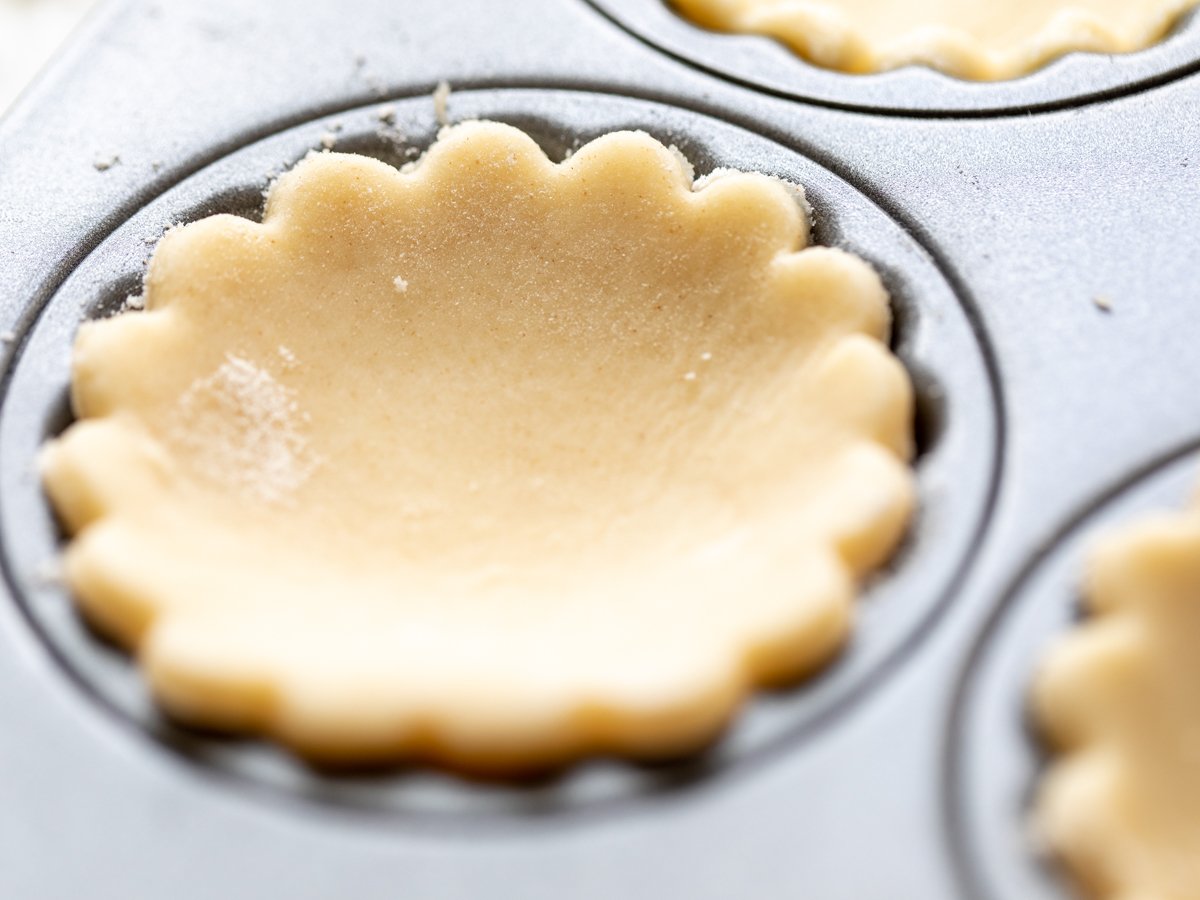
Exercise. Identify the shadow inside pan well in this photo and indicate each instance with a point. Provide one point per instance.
(957, 423)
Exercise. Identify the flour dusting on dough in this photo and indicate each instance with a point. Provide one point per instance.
(247, 429)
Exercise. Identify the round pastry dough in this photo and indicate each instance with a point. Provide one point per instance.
(1120, 697)
(982, 40)
(493, 461)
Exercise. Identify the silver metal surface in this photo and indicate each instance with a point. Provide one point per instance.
(996, 234)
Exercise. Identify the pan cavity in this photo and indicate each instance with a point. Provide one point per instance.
(1069, 62)
(998, 755)
(957, 430)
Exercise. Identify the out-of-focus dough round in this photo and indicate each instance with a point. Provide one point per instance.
(982, 40)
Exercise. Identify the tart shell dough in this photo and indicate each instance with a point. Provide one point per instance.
(493, 462)
(1120, 698)
(981, 40)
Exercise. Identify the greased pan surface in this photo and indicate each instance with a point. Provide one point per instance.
(995, 232)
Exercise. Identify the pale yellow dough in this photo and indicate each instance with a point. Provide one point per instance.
(982, 40)
(1120, 698)
(494, 462)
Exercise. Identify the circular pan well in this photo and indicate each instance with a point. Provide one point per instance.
(765, 64)
(958, 425)
(995, 757)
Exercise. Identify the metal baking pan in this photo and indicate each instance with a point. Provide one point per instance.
(998, 216)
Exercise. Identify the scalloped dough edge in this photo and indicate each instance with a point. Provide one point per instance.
(1082, 809)
(824, 36)
(172, 653)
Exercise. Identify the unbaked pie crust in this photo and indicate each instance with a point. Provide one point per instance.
(494, 461)
(981, 40)
(1120, 699)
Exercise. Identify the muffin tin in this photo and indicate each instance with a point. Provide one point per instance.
(765, 64)
(1038, 239)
